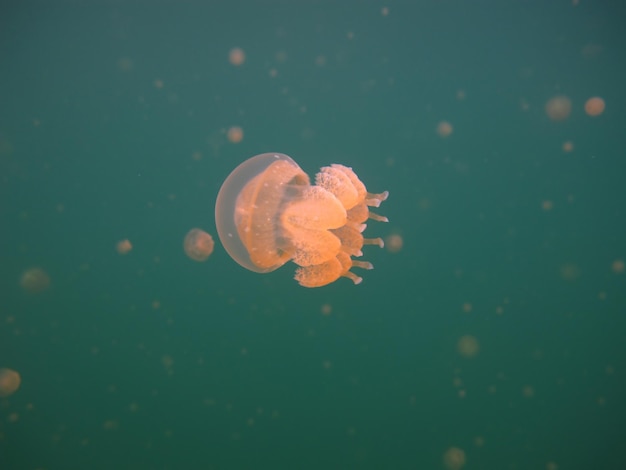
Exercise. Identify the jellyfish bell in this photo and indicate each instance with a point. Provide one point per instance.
(267, 213)
(10, 381)
(246, 207)
(198, 244)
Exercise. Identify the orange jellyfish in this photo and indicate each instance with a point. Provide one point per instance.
(35, 280)
(10, 381)
(198, 244)
(236, 56)
(124, 246)
(235, 134)
(594, 106)
(558, 108)
(268, 213)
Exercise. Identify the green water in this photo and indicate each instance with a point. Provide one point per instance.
(113, 121)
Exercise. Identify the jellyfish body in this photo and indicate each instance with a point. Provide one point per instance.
(198, 244)
(268, 213)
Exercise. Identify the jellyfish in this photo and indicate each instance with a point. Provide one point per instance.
(10, 381)
(198, 244)
(269, 213)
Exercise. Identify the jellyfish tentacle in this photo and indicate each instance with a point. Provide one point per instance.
(374, 241)
(378, 218)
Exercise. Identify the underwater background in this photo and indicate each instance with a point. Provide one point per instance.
(491, 333)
